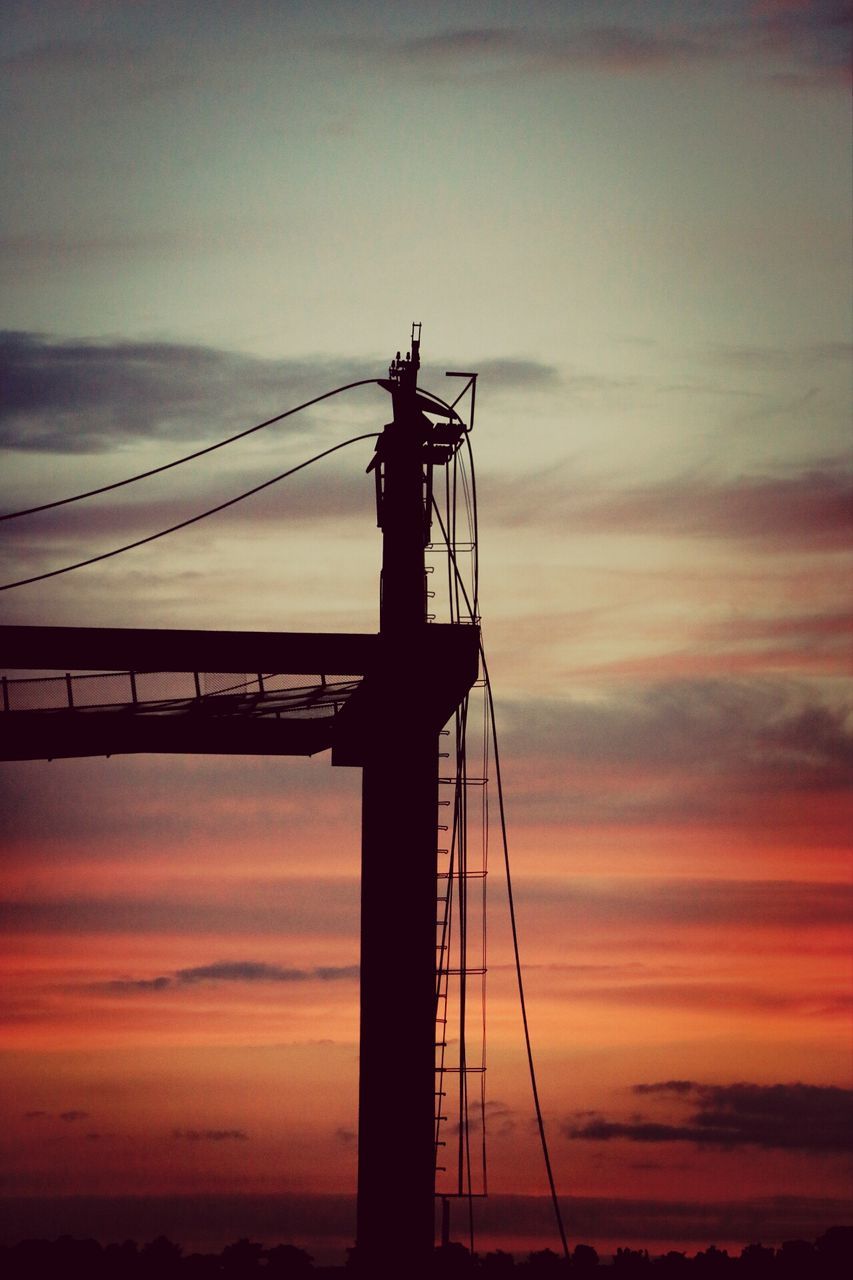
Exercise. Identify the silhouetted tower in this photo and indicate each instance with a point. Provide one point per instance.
(396, 1179)
(416, 675)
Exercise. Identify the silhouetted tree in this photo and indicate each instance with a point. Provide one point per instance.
(201, 1266)
(757, 1261)
(545, 1262)
(122, 1261)
(242, 1258)
(584, 1259)
(796, 1258)
(497, 1263)
(672, 1263)
(453, 1259)
(160, 1257)
(835, 1252)
(631, 1261)
(712, 1261)
(287, 1260)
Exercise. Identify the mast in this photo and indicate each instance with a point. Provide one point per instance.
(396, 1159)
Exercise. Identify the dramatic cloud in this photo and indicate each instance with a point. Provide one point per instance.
(232, 971)
(798, 1117)
(691, 749)
(79, 396)
(83, 396)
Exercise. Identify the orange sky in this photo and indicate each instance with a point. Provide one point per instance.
(635, 222)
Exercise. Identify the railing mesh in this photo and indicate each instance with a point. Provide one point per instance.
(129, 688)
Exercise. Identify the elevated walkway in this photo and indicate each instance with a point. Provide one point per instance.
(234, 693)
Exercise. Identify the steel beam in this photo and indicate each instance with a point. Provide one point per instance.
(132, 649)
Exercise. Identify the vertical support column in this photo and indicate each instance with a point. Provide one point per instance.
(396, 1153)
(396, 1124)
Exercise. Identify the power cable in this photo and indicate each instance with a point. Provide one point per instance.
(152, 537)
(199, 453)
(540, 1122)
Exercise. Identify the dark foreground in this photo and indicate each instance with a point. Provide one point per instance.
(831, 1256)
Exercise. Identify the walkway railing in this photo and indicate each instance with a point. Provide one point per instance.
(161, 688)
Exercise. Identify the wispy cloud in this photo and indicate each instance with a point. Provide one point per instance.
(691, 903)
(79, 396)
(757, 730)
(792, 47)
(803, 1117)
(242, 971)
(83, 396)
(810, 509)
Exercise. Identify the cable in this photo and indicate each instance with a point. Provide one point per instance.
(152, 537)
(199, 453)
(511, 900)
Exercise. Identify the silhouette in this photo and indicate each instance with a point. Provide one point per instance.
(830, 1257)
(394, 740)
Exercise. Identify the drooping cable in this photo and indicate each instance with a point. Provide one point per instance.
(189, 457)
(519, 978)
(183, 524)
(540, 1122)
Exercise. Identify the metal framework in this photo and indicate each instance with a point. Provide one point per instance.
(379, 702)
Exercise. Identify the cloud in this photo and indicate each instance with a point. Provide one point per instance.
(690, 750)
(797, 1117)
(803, 357)
(231, 971)
(732, 998)
(501, 1120)
(516, 375)
(268, 908)
(809, 510)
(81, 396)
(793, 48)
(651, 901)
(211, 1135)
(71, 1116)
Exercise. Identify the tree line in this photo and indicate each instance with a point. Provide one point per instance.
(829, 1257)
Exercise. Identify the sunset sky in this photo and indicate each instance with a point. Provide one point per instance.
(634, 220)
